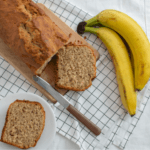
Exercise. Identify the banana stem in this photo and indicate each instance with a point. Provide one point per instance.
(91, 30)
(89, 23)
(92, 22)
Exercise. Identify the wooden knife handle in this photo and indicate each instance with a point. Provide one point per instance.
(89, 124)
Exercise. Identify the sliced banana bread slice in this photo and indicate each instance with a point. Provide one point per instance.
(76, 67)
(24, 124)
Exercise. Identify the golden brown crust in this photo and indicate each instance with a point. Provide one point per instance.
(75, 89)
(29, 32)
(7, 116)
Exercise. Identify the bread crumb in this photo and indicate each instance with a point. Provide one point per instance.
(70, 35)
(79, 42)
(70, 43)
(74, 42)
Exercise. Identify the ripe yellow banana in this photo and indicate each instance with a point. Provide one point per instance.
(134, 36)
(121, 60)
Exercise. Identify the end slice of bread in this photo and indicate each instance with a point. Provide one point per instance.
(76, 67)
(24, 124)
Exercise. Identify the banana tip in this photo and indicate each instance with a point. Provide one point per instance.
(132, 115)
(81, 27)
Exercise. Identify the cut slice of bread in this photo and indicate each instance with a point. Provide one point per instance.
(24, 124)
(76, 67)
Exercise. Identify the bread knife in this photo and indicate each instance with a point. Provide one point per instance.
(65, 103)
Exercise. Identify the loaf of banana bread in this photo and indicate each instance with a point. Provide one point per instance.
(30, 33)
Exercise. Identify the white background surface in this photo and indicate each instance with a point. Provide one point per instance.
(139, 140)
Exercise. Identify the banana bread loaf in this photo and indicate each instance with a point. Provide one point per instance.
(30, 33)
(24, 124)
(76, 67)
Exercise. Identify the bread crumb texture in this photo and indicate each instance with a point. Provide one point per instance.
(24, 124)
(76, 67)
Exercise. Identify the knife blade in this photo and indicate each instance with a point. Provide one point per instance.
(65, 103)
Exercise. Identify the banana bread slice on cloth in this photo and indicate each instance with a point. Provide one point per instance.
(76, 67)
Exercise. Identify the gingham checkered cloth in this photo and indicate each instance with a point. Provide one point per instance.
(101, 102)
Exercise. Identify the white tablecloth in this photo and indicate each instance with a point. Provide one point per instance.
(140, 11)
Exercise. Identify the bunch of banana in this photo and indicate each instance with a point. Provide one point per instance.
(130, 78)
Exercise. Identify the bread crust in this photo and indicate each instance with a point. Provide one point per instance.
(30, 33)
(7, 116)
(75, 89)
